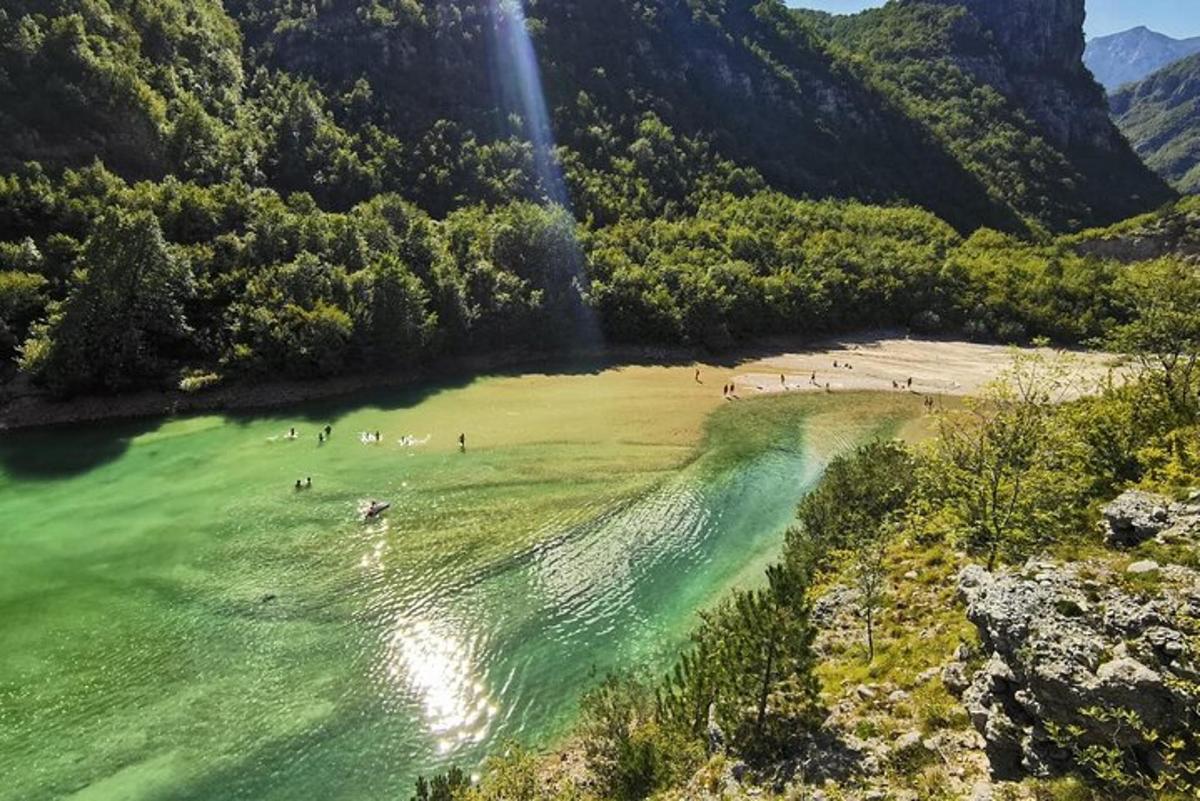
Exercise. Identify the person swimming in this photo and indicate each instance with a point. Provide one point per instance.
(328, 430)
(298, 484)
(375, 509)
(308, 482)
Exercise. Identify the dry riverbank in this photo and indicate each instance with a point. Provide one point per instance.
(867, 362)
(888, 363)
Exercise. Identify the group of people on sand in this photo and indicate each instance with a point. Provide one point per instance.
(322, 435)
(729, 391)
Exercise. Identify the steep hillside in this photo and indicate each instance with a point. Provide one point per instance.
(1131, 55)
(345, 100)
(1002, 86)
(744, 77)
(1161, 117)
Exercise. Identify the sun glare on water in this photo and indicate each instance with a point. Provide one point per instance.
(437, 669)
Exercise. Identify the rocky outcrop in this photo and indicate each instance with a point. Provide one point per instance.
(1171, 231)
(1042, 45)
(1135, 517)
(1057, 642)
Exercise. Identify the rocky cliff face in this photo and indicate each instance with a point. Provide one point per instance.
(1034, 35)
(1041, 43)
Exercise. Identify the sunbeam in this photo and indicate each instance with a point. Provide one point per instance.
(521, 82)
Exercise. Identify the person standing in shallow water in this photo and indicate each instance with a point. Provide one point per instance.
(462, 443)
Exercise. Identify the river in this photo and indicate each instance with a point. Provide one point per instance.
(178, 621)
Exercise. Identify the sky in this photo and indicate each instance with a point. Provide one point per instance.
(1178, 18)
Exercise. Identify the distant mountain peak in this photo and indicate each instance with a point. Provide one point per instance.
(1129, 56)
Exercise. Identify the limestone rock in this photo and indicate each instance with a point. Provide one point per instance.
(1052, 652)
(1135, 517)
(907, 742)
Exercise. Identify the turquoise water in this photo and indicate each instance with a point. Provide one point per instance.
(179, 622)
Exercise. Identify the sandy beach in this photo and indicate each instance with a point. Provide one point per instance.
(887, 363)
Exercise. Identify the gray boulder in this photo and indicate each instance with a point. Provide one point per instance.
(1056, 645)
(1135, 517)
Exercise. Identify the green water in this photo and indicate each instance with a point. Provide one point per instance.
(178, 622)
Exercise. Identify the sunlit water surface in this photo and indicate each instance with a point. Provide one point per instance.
(177, 621)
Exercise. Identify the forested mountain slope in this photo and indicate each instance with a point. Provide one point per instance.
(345, 99)
(1161, 117)
(307, 188)
(1002, 87)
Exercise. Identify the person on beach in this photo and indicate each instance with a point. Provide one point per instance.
(698, 381)
(813, 378)
(782, 380)
(835, 364)
(910, 382)
(462, 443)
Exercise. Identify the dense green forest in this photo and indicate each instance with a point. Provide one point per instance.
(1160, 116)
(306, 189)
